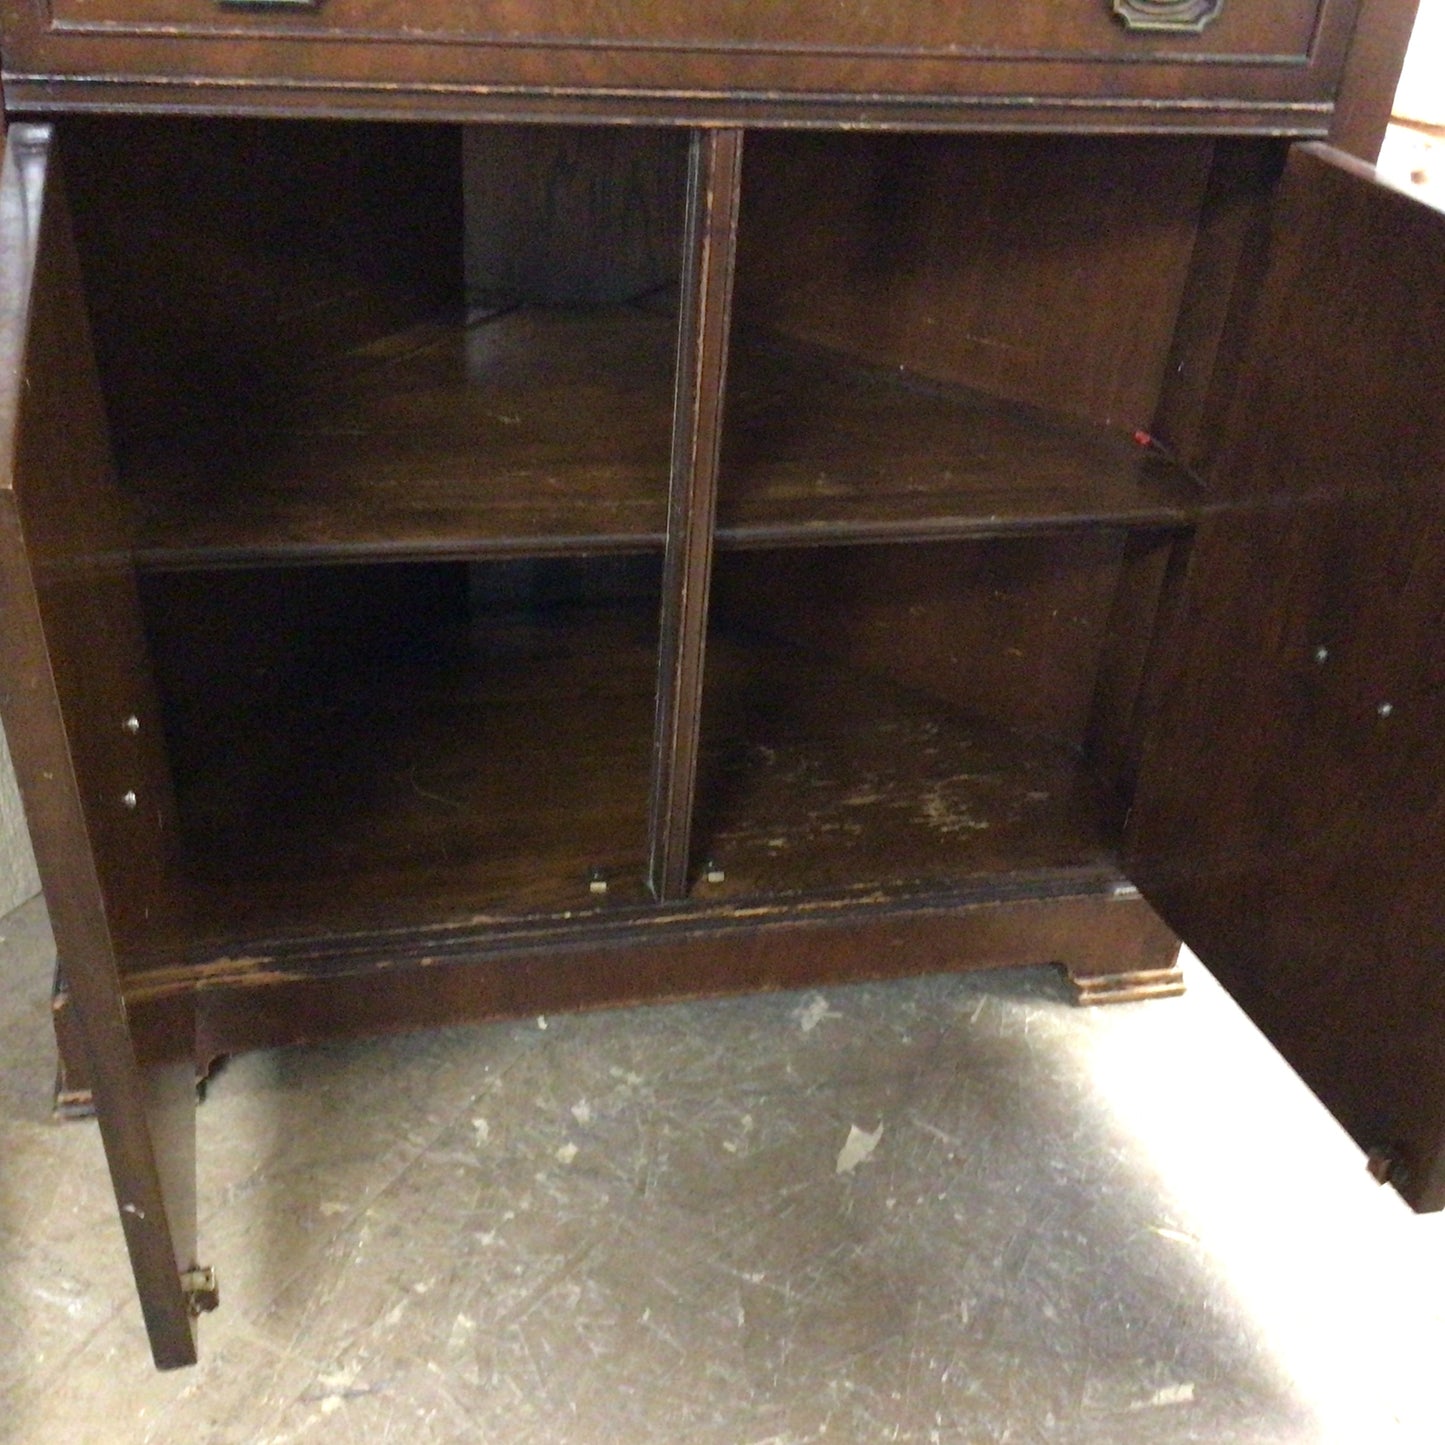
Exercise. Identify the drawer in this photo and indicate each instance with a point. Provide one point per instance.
(1146, 30)
(1259, 65)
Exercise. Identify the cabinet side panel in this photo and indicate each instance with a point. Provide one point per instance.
(70, 664)
(1372, 71)
(1290, 817)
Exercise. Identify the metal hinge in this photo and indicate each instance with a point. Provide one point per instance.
(1386, 1164)
(202, 1292)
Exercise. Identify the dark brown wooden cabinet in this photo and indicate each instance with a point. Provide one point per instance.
(516, 507)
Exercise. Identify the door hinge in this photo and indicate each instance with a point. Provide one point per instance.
(1387, 1165)
(202, 1292)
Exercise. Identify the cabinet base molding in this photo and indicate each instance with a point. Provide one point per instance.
(1100, 939)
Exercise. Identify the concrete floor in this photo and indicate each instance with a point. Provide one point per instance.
(950, 1210)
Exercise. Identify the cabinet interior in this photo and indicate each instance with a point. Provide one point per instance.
(383, 745)
(314, 348)
(392, 414)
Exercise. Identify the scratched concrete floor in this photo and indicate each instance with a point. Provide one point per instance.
(1113, 1226)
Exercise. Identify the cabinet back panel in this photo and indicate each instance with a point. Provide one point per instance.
(1044, 269)
(570, 215)
(1010, 631)
(222, 253)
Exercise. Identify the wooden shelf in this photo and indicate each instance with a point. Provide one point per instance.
(537, 430)
(820, 777)
(546, 432)
(487, 770)
(820, 449)
(464, 770)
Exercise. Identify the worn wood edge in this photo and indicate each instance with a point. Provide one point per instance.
(1177, 521)
(1088, 935)
(20, 199)
(294, 957)
(164, 95)
(71, 1105)
(1149, 970)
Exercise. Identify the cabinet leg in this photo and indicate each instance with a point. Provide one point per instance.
(1128, 966)
(73, 1098)
(1126, 987)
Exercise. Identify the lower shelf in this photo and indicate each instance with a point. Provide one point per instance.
(383, 750)
(382, 781)
(403, 833)
(820, 777)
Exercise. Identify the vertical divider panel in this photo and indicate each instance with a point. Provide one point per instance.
(82, 726)
(710, 239)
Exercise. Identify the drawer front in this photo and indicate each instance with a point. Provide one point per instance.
(1254, 65)
(1147, 30)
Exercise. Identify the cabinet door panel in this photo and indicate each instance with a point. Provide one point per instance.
(82, 728)
(1290, 816)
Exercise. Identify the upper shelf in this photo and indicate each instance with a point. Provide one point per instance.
(545, 432)
(1257, 65)
(537, 430)
(821, 449)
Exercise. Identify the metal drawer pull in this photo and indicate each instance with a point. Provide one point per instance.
(1177, 15)
(270, 4)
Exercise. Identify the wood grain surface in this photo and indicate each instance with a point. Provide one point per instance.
(1261, 66)
(74, 672)
(1288, 817)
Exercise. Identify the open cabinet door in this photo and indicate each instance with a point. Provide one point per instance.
(1290, 815)
(83, 729)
